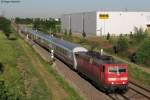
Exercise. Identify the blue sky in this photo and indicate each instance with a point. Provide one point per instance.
(54, 8)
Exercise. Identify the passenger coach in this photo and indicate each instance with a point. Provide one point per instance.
(64, 50)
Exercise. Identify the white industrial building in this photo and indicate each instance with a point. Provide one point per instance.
(101, 23)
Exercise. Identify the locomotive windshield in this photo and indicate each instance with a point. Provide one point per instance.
(113, 69)
(116, 69)
(121, 70)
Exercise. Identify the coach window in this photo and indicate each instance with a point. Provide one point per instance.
(77, 55)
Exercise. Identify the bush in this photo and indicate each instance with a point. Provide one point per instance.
(143, 53)
(84, 34)
(139, 34)
(122, 45)
(5, 26)
(65, 33)
(108, 36)
(5, 94)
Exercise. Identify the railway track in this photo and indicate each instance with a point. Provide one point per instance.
(135, 92)
(116, 96)
(141, 91)
(148, 90)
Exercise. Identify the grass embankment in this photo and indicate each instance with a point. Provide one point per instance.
(72, 94)
(21, 76)
(135, 73)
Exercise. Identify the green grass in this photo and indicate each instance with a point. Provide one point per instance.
(139, 75)
(26, 87)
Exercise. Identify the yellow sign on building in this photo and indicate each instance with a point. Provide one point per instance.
(148, 27)
(103, 16)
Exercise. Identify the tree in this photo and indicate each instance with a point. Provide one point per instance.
(5, 26)
(23, 20)
(143, 53)
(108, 36)
(84, 35)
(139, 34)
(36, 24)
(131, 35)
(48, 26)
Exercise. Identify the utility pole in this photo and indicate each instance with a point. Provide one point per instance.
(70, 24)
(83, 30)
(83, 22)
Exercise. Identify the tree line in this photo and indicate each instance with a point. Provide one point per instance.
(5, 26)
(49, 26)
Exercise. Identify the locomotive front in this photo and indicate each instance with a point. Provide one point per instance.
(116, 77)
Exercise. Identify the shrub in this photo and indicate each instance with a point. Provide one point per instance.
(108, 36)
(143, 53)
(65, 33)
(5, 94)
(139, 34)
(122, 44)
(84, 34)
(5, 26)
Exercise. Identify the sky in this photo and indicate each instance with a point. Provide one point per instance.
(54, 8)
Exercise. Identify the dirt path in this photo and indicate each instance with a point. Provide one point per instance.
(57, 92)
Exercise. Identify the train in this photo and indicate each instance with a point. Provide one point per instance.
(104, 71)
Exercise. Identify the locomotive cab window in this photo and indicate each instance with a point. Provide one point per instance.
(122, 70)
(112, 69)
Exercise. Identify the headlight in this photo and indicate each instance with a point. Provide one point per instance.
(111, 79)
(124, 78)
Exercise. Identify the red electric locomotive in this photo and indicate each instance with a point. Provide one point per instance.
(107, 73)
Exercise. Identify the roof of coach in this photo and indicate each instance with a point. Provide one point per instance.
(66, 44)
(62, 43)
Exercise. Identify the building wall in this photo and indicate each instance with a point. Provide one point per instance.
(121, 22)
(76, 23)
(90, 23)
(65, 23)
(115, 23)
